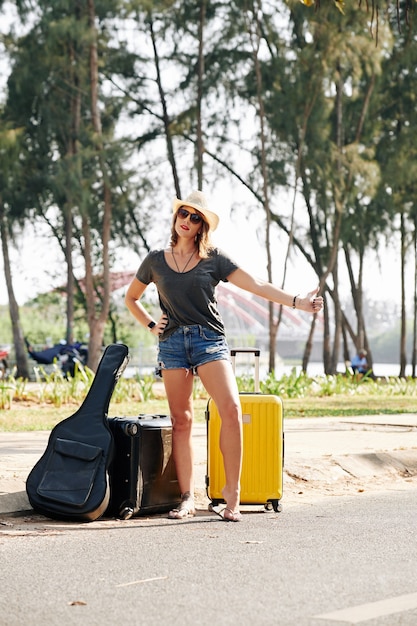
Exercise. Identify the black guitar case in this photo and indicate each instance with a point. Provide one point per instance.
(71, 479)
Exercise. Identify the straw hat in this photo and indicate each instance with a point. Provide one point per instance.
(196, 200)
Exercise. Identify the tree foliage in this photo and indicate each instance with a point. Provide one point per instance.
(121, 104)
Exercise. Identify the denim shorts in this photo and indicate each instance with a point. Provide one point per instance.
(188, 347)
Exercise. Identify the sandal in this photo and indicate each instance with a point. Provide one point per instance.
(232, 516)
(185, 509)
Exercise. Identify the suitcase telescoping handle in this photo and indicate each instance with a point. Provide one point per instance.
(256, 353)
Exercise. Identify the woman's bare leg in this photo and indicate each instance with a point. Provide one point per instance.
(179, 389)
(219, 381)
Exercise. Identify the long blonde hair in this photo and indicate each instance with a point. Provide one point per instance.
(202, 239)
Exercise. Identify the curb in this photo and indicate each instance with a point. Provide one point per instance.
(322, 455)
(401, 464)
(322, 473)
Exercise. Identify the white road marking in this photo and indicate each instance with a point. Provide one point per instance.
(139, 582)
(364, 612)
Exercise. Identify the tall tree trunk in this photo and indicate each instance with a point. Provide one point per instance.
(337, 335)
(75, 107)
(334, 237)
(359, 338)
(403, 332)
(200, 144)
(97, 322)
(328, 357)
(22, 366)
(346, 355)
(309, 345)
(307, 112)
(414, 349)
(69, 335)
(253, 27)
(326, 338)
(165, 116)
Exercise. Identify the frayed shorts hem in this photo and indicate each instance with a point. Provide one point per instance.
(189, 347)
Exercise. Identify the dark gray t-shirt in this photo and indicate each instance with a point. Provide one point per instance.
(188, 298)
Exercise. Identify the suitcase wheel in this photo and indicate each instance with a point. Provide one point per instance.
(131, 429)
(126, 512)
(273, 504)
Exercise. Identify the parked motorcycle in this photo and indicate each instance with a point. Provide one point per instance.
(67, 355)
(4, 355)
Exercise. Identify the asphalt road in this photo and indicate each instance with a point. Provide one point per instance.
(338, 560)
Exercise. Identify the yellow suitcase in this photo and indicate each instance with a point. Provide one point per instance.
(263, 447)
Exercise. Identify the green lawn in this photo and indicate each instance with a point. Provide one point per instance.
(31, 415)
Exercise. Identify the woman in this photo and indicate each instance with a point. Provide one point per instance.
(192, 338)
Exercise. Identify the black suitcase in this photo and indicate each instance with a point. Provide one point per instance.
(143, 479)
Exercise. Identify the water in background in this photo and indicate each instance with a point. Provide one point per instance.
(245, 367)
(316, 369)
(144, 359)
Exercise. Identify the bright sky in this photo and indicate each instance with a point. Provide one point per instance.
(37, 263)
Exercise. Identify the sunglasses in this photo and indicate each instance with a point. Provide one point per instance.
(195, 218)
